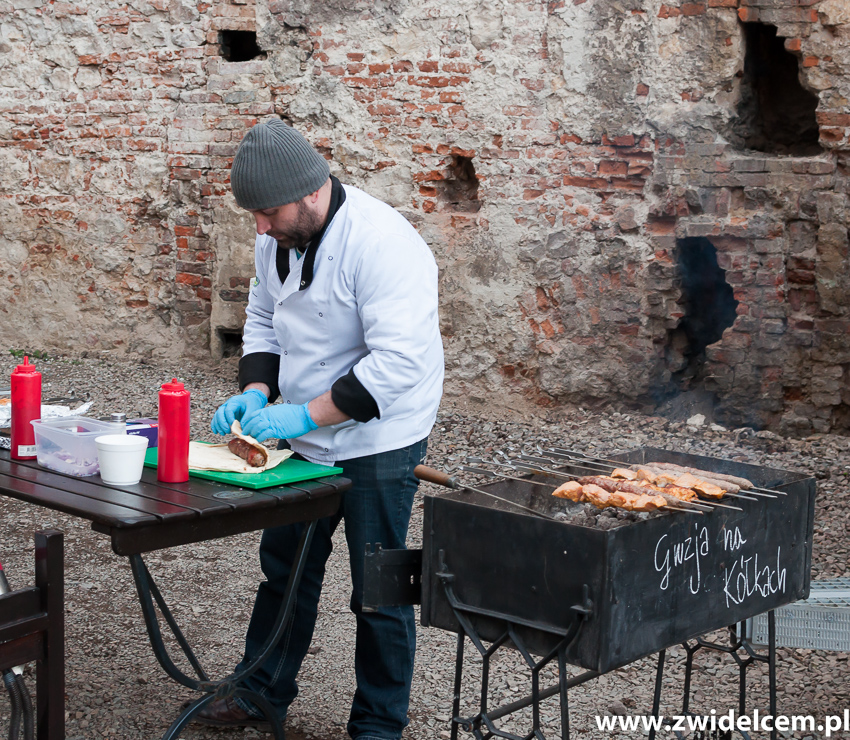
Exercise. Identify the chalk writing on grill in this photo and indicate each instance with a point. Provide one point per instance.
(733, 540)
(746, 578)
(670, 556)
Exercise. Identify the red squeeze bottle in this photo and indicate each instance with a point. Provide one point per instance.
(26, 406)
(173, 447)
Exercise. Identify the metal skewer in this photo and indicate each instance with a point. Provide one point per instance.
(596, 467)
(755, 489)
(540, 470)
(493, 474)
(423, 472)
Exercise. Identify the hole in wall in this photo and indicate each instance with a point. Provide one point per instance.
(460, 188)
(239, 46)
(230, 341)
(709, 306)
(776, 114)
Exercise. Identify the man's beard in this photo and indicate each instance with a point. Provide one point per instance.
(299, 234)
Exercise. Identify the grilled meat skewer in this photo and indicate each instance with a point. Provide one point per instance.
(602, 498)
(671, 495)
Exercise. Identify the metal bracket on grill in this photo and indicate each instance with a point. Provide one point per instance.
(483, 724)
(391, 578)
(585, 609)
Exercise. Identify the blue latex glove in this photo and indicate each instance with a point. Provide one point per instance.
(237, 407)
(281, 421)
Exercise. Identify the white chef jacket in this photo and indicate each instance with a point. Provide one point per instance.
(372, 305)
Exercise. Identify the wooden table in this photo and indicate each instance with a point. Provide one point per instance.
(152, 516)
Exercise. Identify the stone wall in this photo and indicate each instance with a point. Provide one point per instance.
(554, 155)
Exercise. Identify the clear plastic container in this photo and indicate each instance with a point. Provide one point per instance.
(67, 445)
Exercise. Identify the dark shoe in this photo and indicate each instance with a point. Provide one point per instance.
(227, 713)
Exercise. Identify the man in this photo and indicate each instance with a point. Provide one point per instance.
(341, 324)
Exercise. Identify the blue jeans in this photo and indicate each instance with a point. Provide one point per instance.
(376, 509)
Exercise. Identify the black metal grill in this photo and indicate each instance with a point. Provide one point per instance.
(595, 598)
(652, 583)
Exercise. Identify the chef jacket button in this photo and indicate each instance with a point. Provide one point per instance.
(303, 283)
(330, 258)
(322, 364)
(280, 304)
(320, 314)
(285, 352)
(288, 401)
(326, 449)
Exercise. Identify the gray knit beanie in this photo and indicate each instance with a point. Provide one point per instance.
(275, 165)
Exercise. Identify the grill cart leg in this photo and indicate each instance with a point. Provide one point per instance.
(458, 679)
(742, 681)
(738, 642)
(656, 698)
(689, 667)
(771, 665)
(483, 725)
(149, 593)
(562, 685)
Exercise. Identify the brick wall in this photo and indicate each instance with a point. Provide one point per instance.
(551, 153)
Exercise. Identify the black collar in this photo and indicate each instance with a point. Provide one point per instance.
(309, 256)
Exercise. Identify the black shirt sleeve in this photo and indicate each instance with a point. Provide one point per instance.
(260, 367)
(351, 397)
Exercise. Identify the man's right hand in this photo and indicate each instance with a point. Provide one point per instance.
(236, 408)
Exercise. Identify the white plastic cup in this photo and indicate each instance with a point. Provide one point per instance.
(121, 458)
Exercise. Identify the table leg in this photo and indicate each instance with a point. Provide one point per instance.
(148, 593)
(50, 670)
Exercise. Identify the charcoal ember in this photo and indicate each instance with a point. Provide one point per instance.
(606, 523)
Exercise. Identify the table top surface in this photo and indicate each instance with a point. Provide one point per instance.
(192, 511)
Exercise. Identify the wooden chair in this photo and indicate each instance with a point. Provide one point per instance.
(32, 627)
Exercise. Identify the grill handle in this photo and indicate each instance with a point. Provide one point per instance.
(423, 472)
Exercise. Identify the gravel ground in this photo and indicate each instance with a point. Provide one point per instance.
(116, 690)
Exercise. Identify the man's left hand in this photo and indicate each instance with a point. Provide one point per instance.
(281, 421)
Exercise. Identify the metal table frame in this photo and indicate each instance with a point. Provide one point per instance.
(229, 686)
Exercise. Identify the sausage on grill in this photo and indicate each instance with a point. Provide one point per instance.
(604, 482)
(713, 487)
(247, 452)
(740, 482)
(640, 488)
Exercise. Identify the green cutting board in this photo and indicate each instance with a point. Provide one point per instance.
(289, 471)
